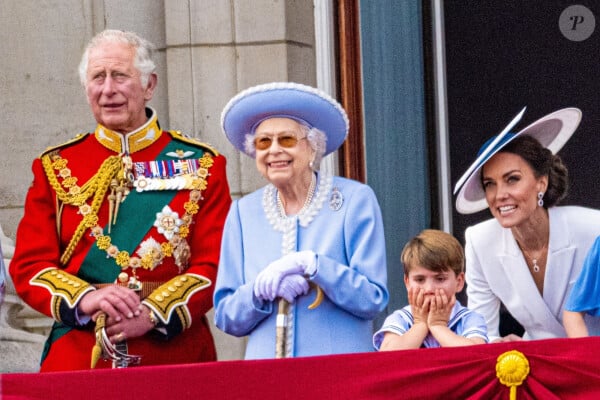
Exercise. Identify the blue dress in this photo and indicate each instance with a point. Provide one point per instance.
(343, 226)
(585, 294)
(463, 322)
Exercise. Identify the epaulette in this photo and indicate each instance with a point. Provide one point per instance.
(180, 136)
(76, 139)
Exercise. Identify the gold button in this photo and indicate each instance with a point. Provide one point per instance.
(158, 298)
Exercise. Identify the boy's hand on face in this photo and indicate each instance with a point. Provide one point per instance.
(419, 304)
(440, 308)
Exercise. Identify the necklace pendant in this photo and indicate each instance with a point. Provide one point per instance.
(536, 267)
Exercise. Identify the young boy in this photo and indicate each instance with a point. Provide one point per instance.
(433, 274)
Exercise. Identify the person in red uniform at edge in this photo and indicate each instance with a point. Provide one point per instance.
(121, 234)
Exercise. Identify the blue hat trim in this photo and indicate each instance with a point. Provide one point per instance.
(489, 149)
(503, 141)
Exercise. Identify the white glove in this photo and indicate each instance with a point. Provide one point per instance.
(268, 280)
(292, 286)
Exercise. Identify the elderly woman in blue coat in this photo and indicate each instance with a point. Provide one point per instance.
(305, 235)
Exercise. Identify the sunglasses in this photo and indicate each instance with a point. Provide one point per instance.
(285, 140)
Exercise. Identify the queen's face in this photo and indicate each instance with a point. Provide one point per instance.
(511, 189)
(285, 158)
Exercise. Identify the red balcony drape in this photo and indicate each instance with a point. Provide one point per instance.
(559, 369)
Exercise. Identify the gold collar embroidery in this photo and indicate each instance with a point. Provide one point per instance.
(132, 141)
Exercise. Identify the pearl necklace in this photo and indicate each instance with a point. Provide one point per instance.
(281, 222)
(309, 196)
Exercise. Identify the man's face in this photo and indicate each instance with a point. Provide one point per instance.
(114, 88)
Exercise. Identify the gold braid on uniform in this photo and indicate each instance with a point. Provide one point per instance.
(173, 296)
(76, 195)
(96, 186)
(63, 287)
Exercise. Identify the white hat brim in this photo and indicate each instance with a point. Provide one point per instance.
(552, 131)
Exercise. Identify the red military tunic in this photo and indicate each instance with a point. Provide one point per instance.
(166, 234)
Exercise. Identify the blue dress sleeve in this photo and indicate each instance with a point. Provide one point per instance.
(585, 294)
(237, 312)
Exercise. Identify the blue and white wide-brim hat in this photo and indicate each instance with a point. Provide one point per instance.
(245, 111)
(552, 131)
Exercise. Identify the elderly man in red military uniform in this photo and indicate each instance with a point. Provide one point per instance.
(120, 238)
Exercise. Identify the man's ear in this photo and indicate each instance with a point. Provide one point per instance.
(150, 86)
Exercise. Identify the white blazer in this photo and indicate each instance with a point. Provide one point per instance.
(496, 272)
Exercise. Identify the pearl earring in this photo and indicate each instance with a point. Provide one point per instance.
(541, 199)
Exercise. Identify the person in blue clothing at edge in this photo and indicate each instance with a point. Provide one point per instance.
(303, 266)
(584, 300)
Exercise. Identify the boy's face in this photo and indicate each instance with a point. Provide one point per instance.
(422, 278)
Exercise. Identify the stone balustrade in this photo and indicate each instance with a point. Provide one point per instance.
(23, 330)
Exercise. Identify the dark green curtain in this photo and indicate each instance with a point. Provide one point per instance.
(395, 129)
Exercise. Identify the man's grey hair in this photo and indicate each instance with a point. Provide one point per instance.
(144, 51)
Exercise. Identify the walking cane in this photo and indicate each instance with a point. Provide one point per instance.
(281, 325)
(281, 328)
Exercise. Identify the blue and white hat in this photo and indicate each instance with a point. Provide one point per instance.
(245, 111)
(552, 131)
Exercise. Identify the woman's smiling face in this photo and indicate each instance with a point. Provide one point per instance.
(511, 188)
(279, 164)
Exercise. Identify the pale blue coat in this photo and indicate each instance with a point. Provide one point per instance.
(351, 271)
